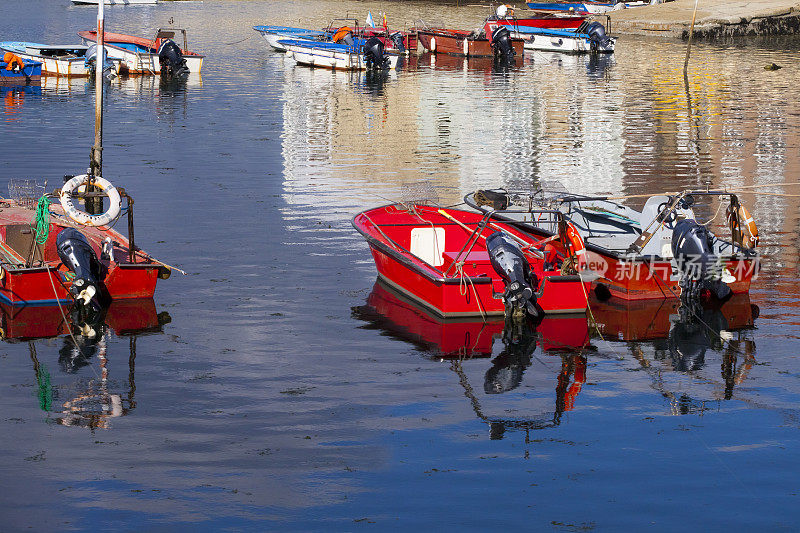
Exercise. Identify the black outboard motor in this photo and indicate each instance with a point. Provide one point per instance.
(397, 39)
(77, 254)
(513, 267)
(692, 246)
(598, 36)
(373, 54)
(501, 43)
(171, 60)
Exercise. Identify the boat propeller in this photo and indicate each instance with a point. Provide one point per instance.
(171, 60)
(374, 56)
(700, 268)
(77, 254)
(512, 266)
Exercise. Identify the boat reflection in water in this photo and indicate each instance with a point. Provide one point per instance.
(464, 63)
(88, 403)
(671, 335)
(512, 395)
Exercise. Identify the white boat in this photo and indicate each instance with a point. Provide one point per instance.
(589, 38)
(114, 2)
(274, 34)
(139, 55)
(340, 56)
(57, 60)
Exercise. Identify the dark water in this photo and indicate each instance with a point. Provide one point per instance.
(284, 393)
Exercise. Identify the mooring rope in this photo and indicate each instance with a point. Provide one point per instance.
(42, 220)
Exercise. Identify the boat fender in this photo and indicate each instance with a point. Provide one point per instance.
(82, 217)
(465, 47)
(433, 44)
(743, 227)
(13, 62)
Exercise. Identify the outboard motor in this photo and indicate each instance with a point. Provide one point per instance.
(373, 54)
(171, 60)
(692, 248)
(597, 35)
(90, 60)
(501, 43)
(77, 254)
(397, 39)
(513, 267)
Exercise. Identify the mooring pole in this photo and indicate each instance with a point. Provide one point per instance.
(689, 44)
(95, 205)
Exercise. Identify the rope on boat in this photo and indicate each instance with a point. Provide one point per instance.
(42, 220)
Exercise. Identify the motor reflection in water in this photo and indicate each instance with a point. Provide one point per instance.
(516, 390)
(676, 336)
(85, 340)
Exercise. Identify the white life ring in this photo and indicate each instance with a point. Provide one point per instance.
(82, 217)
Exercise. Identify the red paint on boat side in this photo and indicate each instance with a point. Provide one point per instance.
(450, 41)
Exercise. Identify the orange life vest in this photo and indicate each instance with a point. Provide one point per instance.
(13, 59)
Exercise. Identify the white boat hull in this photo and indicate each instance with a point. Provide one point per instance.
(558, 43)
(333, 59)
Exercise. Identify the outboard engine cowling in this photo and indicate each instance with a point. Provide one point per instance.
(512, 266)
(598, 36)
(692, 248)
(501, 42)
(77, 254)
(171, 60)
(397, 39)
(90, 60)
(373, 54)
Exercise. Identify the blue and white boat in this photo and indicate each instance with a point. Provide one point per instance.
(274, 34)
(28, 72)
(593, 8)
(360, 55)
(589, 38)
(58, 60)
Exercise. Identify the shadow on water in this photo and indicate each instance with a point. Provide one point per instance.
(80, 402)
(527, 364)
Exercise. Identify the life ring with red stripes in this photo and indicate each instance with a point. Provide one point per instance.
(578, 247)
(743, 228)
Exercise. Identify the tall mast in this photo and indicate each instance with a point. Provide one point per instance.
(96, 166)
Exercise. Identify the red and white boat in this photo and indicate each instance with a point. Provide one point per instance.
(461, 42)
(440, 258)
(139, 55)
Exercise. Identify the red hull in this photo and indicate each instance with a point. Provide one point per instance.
(442, 288)
(465, 338)
(48, 283)
(458, 42)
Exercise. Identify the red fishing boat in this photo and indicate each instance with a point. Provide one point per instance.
(461, 263)
(49, 257)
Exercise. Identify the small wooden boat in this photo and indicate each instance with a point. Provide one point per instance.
(440, 258)
(337, 56)
(33, 271)
(659, 252)
(56, 60)
(15, 70)
(141, 56)
(460, 42)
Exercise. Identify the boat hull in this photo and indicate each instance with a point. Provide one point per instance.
(32, 73)
(526, 25)
(330, 56)
(561, 41)
(458, 42)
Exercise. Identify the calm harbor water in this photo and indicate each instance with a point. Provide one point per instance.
(278, 387)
